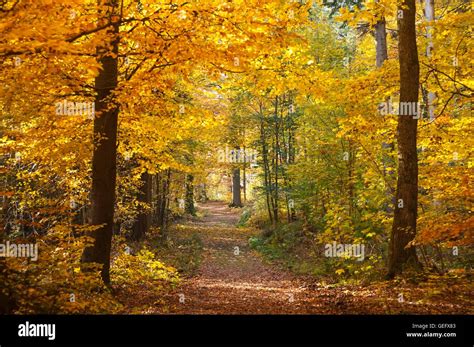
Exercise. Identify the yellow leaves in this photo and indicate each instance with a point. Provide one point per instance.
(368, 234)
(93, 70)
(142, 269)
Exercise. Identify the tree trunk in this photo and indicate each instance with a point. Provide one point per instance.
(276, 157)
(236, 198)
(166, 203)
(381, 42)
(105, 148)
(143, 222)
(351, 179)
(430, 16)
(158, 199)
(244, 176)
(404, 222)
(162, 189)
(381, 56)
(266, 170)
(6, 301)
(189, 198)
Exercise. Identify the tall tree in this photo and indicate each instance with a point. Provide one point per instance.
(404, 222)
(105, 142)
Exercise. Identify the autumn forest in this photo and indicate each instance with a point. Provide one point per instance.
(236, 157)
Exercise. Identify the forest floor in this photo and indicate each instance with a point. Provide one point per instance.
(228, 277)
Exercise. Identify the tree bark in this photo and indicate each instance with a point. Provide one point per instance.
(143, 221)
(162, 188)
(381, 42)
(266, 170)
(276, 159)
(404, 222)
(105, 147)
(189, 198)
(244, 176)
(381, 56)
(430, 16)
(6, 301)
(236, 196)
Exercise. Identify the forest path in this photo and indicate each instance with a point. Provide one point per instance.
(232, 278)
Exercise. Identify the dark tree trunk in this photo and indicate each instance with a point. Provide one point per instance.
(189, 198)
(351, 179)
(266, 170)
(143, 222)
(6, 301)
(404, 222)
(236, 196)
(276, 166)
(105, 149)
(166, 203)
(162, 188)
(244, 176)
(157, 198)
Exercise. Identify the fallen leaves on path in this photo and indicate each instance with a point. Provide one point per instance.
(234, 279)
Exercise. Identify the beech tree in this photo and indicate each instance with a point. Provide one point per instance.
(104, 159)
(405, 217)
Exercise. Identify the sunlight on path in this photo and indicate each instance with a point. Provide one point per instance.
(234, 279)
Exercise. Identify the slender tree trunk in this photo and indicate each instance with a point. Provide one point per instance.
(166, 205)
(404, 222)
(143, 222)
(157, 198)
(276, 155)
(430, 16)
(6, 301)
(381, 42)
(266, 170)
(105, 148)
(291, 156)
(236, 196)
(244, 176)
(202, 193)
(381, 56)
(163, 200)
(189, 198)
(351, 179)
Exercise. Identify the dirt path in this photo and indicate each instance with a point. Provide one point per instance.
(234, 279)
